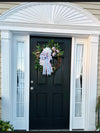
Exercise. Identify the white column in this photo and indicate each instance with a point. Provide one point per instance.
(6, 41)
(91, 89)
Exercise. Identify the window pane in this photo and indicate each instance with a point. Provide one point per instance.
(20, 80)
(78, 80)
(79, 53)
(78, 109)
(78, 95)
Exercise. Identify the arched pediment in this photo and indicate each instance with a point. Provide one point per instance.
(49, 13)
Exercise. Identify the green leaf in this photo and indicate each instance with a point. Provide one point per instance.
(44, 45)
(49, 42)
(36, 67)
(34, 52)
(52, 41)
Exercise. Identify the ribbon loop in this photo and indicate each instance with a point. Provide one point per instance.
(45, 58)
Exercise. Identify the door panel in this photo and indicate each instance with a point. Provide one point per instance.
(49, 101)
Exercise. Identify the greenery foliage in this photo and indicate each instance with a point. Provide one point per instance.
(6, 126)
(97, 111)
(56, 52)
(98, 104)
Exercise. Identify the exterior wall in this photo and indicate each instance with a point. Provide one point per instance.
(93, 7)
(4, 6)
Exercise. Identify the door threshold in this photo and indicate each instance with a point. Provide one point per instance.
(50, 130)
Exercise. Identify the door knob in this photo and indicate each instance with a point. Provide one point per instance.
(32, 81)
(32, 88)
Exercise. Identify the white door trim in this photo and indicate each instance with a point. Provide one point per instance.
(11, 25)
(79, 119)
(28, 80)
(27, 64)
(18, 122)
(71, 84)
(91, 84)
(92, 48)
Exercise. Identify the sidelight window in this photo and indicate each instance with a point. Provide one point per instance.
(20, 80)
(78, 80)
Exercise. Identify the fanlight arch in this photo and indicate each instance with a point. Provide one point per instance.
(53, 13)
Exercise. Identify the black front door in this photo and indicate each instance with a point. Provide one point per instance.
(50, 98)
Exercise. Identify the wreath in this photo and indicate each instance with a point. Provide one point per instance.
(43, 56)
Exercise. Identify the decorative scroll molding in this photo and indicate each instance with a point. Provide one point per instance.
(58, 13)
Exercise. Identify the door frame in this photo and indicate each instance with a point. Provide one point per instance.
(27, 79)
(11, 27)
(69, 73)
(8, 37)
(26, 40)
(71, 79)
(15, 120)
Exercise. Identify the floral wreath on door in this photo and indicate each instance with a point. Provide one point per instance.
(45, 54)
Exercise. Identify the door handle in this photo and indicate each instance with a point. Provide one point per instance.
(32, 88)
(32, 81)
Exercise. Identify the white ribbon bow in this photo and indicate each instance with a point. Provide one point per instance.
(45, 58)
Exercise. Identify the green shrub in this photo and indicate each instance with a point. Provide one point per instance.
(6, 126)
(97, 111)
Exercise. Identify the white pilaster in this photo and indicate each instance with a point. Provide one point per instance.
(6, 74)
(91, 90)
